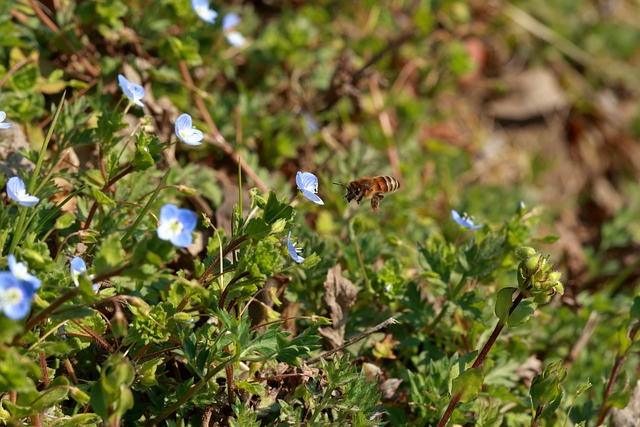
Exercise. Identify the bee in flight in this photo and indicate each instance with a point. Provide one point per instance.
(367, 187)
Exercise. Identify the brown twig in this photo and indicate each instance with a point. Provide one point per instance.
(389, 321)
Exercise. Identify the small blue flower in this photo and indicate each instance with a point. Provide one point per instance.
(79, 268)
(15, 296)
(176, 225)
(308, 185)
(294, 252)
(18, 192)
(3, 116)
(310, 125)
(202, 9)
(20, 271)
(464, 220)
(230, 21)
(131, 90)
(186, 132)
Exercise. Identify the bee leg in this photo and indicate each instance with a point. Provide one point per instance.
(375, 202)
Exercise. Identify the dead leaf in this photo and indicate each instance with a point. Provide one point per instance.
(532, 93)
(339, 296)
(630, 415)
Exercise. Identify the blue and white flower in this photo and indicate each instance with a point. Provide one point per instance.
(15, 296)
(176, 225)
(18, 192)
(294, 252)
(464, 220)
(20, 270)
(308, 184)
(187, 132)
(204, 11)
(3, 116)
(229, 22)
(77, 268)
(131, 90)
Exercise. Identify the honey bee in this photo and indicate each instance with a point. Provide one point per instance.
(367, 187)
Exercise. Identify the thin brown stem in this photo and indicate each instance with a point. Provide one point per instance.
(615, 371)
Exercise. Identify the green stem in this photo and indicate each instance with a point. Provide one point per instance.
(191, 392)
(146, 208)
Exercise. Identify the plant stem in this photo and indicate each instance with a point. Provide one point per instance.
(604, 409)
(479, 360)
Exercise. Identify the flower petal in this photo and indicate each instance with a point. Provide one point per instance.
(312, 196)
(293, 253)
(230, 20)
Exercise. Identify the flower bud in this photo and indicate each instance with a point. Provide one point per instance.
(524, 252)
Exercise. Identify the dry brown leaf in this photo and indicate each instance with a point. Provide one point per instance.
(339, 296)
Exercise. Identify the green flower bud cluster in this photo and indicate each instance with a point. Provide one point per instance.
(536, 277)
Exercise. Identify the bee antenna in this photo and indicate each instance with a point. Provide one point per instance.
(340, 184)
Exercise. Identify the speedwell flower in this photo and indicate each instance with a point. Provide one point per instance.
(15, 296)
(20, 271)
(294, 252)
(3, 116)
(176, 225)
(204, 11)
(229, 21)
(133, 91)
(464, 220)
(77, 268)
(308, 185)
(18, 192)
(187, 132)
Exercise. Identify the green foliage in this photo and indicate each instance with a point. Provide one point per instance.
(231, 329)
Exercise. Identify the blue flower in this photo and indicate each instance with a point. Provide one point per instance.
(308, 185)
(15, 296)
(79, 268)
(3, 116)
(294, 252)
(202, 9)
(20, 271)
(176, 225)
(186, 132)
(229, 21)
(18, 193)
(133, 91)
(464, 220)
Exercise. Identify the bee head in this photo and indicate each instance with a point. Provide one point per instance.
(349, 196)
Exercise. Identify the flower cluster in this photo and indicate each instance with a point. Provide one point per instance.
(17, 289)
(536, 276)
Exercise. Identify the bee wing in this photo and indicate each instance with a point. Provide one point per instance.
(312, 196)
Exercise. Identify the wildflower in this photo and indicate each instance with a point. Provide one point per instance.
(187, 132)
(20, 271)
(294, 252)
(18, 193)
(15, 296)
(308, 185)
(176, 225)
(3, 116)
(234, 38)
(464, 220)
(133, 91)
(202, 9)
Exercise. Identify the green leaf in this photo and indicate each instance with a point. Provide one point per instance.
(504, 303)
(275, 210)
(110, 255)
(257, 228)
(468, 384)
(102, 198)
(65, 221)
(522, 313)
